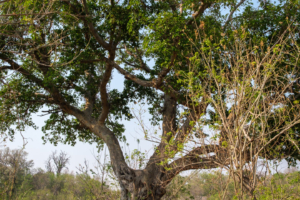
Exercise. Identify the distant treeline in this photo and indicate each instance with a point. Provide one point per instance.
(19, 180)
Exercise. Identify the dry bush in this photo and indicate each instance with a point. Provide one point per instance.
(252, 89)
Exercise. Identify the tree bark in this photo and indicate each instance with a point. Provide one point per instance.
(135, 184)
(140, 184)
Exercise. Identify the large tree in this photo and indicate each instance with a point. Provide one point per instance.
(59, 55)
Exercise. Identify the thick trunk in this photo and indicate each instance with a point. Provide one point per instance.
(149, 184)
(140, 185)
(135, 184)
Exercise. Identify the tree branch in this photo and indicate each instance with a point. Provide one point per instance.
(15, 66)
(58, 98)
(94, 32)
(200, 11)
(91, 61)
(5, 67)
(90, 97)
(232, 12)
(91, 27)
(8, 15)
(188, 162)
(130, 76)
(165, 71)
(164, 87)
(42, 98)
(4, 1)
(186, 127)
(168, 126)
(142, 63)
(103, 91)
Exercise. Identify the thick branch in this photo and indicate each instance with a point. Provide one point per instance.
(103, 91)
(232, 12)
(16, 67)
(58, 98)
(200, 11)
(90, 97)
(186, 127)
(193, 160)
(165, 71)
(169, 116)
(130, 76)
(168, 126)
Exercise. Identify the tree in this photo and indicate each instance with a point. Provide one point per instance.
(56, 163)
(61, 55)
(14, 167)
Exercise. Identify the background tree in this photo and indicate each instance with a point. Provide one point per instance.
(14, 168)
(56, 163)
(60, 55)
(19, 180)
(54, 166)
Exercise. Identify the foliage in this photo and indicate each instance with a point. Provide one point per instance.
(236, 72)
(93, 183)
(19, 180)
(280, 186)
(215, 185)
(14, 172)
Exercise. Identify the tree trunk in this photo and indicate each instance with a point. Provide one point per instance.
(149, 184)
(135, 184)
(141, 184)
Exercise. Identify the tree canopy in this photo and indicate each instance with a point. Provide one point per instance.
(188, 59)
